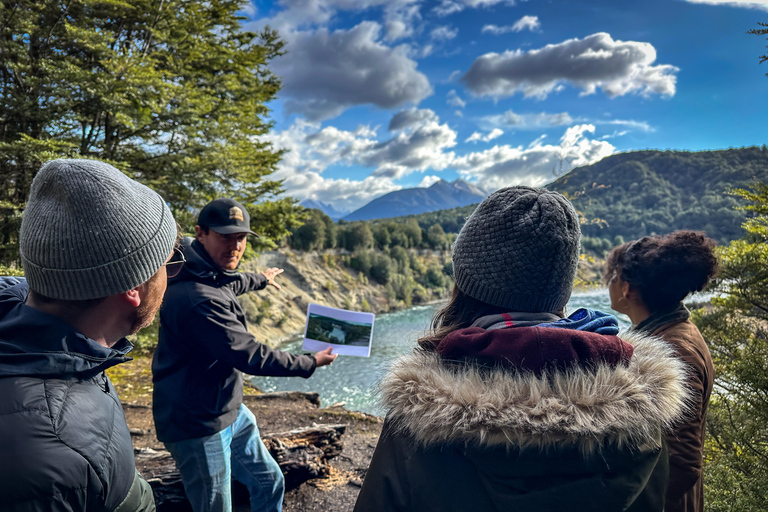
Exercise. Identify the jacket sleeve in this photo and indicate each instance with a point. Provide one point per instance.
(685, 441)
(249, 282)
(220, 334)
(386, 485)
(139, 498)
(10, 281)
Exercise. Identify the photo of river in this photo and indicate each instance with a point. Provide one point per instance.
(352, 380)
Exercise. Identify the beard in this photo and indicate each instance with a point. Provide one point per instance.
(146, 311)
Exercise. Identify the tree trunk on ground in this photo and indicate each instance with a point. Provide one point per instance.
(302, 454)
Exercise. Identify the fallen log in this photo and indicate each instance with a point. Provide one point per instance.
(311, 397)
(302, 454)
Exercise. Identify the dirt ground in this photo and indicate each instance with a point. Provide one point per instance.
(338, 492)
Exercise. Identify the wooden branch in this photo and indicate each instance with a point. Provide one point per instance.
(313, 398)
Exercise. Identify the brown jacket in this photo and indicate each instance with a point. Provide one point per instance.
(685, 492)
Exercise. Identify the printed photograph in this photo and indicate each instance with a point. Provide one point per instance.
(349, 332)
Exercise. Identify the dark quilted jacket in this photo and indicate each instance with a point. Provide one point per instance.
(64, 442)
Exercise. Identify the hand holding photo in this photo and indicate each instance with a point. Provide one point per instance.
(348, 332)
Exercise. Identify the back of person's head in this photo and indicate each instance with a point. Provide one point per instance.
(517, 252)
(664, 269)
(89, 231)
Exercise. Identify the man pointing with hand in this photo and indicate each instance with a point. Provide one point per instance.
(203, 346)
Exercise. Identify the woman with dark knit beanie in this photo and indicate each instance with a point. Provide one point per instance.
(647, 280)
(509, 405)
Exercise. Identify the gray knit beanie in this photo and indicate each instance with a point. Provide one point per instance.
(519, 250)
(89, 231)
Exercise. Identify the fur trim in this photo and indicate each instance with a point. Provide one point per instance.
(435, 401)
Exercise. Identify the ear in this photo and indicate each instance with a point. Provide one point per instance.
(198, 232)
(626, 291)
(133, 296)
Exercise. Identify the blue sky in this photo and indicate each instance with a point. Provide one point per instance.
(380, 95)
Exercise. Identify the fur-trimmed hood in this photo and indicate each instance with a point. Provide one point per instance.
(436, 401)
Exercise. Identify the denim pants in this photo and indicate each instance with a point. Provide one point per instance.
(208, 464)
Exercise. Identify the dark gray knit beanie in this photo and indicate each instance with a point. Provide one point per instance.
(519, 250)
(89, 231)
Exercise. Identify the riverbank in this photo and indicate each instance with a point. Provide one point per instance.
(337, 492)
(275, 316)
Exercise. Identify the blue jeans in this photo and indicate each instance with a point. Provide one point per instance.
(208, 464)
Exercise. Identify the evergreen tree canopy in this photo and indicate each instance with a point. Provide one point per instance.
(736, 329)
(171, 92)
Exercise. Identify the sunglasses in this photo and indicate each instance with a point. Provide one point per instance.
(175, 264)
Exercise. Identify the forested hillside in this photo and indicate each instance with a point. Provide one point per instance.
(644, 192)
(634, 194)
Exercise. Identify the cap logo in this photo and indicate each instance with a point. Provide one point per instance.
(236, 213)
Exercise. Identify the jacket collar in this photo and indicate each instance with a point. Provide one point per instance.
(657, 320)
(200, 265)
(438, 402)
(34, 343)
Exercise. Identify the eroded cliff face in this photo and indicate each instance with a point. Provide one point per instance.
(275, 315)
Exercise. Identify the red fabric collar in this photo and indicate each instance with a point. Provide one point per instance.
(536, 348)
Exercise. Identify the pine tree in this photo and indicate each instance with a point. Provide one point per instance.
(171, 92)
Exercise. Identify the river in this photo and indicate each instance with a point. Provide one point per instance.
(352, 380)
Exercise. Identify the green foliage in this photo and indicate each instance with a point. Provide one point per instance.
(356, 236)
(311, 235)
(11, 271)
(436, 237)
(736, 328)
(646, 192)
(381, 268)
(761, 32)
(173, 93)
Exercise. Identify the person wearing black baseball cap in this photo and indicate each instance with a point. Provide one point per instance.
(203, 347)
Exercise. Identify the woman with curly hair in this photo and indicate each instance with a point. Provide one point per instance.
(647, 280)
(509, 404)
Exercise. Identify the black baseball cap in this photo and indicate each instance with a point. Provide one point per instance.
(225, 216)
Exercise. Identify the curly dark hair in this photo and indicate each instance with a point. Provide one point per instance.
(664, 269)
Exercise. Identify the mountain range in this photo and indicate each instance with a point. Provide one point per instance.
(629, 195)
(438, 196)
(326, 208)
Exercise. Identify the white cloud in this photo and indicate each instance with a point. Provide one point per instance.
(525, 23)
(443, 33)
(447, 7)
(454, 100)
(421, 144)
(749, 4)
(529, 121)
(503, 166)
(597, 61)
(477, 136)
(302, 166)
(411, 117)
(399, 15)
(544, 120)
(641, 126)
(248, 9)
(428, 181)
(325, 73)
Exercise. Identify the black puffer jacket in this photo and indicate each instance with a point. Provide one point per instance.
(203, 343)
(64, 442)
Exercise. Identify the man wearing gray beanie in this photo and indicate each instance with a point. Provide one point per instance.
(96, 248)
(509, 404)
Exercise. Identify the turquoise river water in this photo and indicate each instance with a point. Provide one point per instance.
(353, 380)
